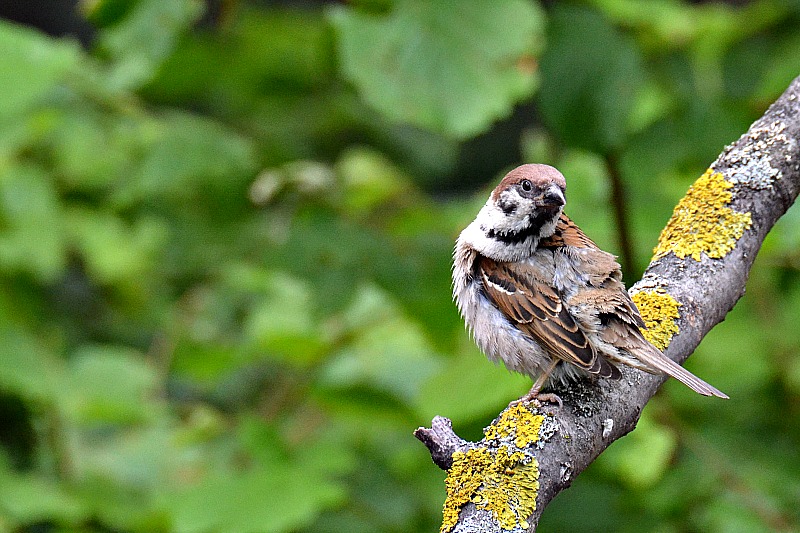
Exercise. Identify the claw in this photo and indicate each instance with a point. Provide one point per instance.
(537, 398)
(550, 397)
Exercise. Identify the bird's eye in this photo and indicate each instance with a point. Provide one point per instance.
(526, 185)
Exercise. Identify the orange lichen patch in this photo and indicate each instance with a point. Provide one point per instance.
(660, 313)
(506, 484)
(701, 223)
(520, 423)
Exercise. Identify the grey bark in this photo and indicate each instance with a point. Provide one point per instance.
(764, 165)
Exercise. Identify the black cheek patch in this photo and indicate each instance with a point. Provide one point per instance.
(535, 224)
(508, 207)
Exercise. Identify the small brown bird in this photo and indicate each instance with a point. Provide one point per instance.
(541, 297)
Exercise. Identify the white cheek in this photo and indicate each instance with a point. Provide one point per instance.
(492, 217)
(475, 237)
(505, 222)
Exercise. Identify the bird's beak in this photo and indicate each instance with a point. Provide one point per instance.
(553, 197)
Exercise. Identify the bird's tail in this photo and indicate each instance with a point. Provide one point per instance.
(664, 364)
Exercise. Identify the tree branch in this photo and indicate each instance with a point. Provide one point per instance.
(701, 266)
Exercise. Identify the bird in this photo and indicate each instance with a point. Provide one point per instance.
(541, 297)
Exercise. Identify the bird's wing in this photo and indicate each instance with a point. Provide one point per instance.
(609, 295)
(535, 307)
(567, 233)
(621, 321)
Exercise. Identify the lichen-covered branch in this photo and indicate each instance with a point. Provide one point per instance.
(701, 264)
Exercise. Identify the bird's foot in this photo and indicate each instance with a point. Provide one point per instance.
(537, 398)
(550, 397)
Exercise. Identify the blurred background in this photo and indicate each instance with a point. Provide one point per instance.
(225, 237)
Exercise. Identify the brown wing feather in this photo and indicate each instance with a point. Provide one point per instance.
(618, 313)
(606, 272)
(567, 233)
(537, 310)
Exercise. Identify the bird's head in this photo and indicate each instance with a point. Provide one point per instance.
(522, 209)
(529, 192)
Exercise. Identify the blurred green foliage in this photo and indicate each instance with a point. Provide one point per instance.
(224, 257)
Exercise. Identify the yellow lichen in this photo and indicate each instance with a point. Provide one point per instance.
(517, 421)
(701, 222)
(659, 311)
(509, 489)
(463, 480)
(500, 483)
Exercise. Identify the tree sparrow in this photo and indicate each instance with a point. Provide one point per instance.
(541, 297)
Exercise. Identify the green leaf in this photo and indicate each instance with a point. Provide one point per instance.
(641, 458)
(27, 368)
(29, 499)
(188, 157)
(591, 74)
(107, 12)
(144, 38)
(461, 378)
(32, 65)
(109, 385)
(267, 49)
(206, 363)
(112, 250)
(31, 223)
(76, 137)
(280, 499)
(416, 66)
(370, 180)
(275, 493)
(389, 352)
(279, 315)
(730, 514)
